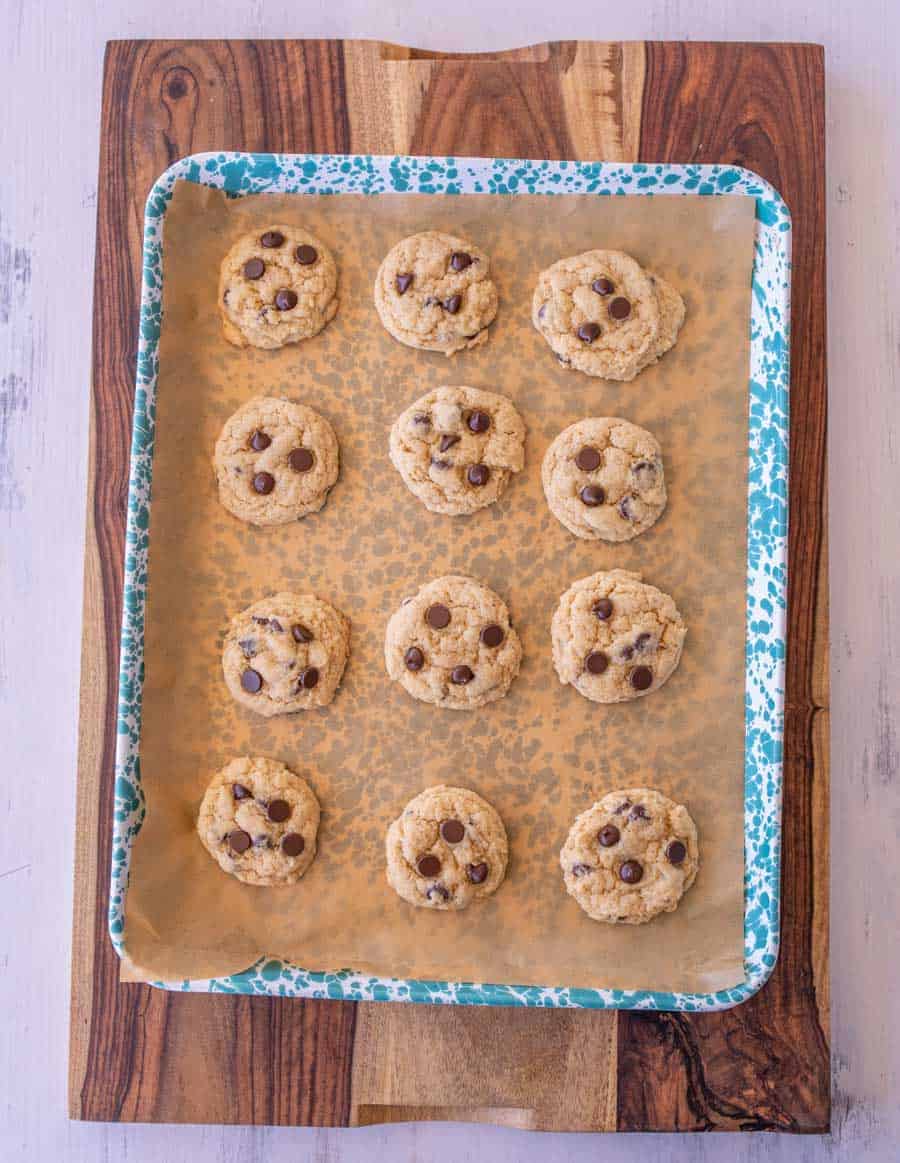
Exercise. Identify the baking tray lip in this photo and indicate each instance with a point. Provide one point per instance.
(239, 174)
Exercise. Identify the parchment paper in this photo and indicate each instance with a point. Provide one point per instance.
(542, 754)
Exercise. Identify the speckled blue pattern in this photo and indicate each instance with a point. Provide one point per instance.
(240, 174)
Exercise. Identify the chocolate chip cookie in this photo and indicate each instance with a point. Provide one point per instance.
(630, 857)
(434, 292)
(453, 644)
(457, 448)
(603, 479)
(616, 638)
(275, 461)
(286, 653)
(277, 286)
(603, 314)
(447, 850)
(259, 821)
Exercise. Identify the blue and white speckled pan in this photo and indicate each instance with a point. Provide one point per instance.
(241, 174)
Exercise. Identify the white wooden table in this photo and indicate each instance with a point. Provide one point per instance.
(50, 65)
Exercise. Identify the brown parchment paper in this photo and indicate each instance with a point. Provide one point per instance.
(542, 754)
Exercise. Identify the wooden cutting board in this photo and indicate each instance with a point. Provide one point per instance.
(142, 1054)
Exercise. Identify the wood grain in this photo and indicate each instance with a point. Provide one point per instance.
(138, 1054)
(516, 1067)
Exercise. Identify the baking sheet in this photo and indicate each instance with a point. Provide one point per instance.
(542, 754)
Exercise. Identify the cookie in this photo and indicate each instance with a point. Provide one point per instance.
(447, 850)
(630, 857)
(616, 638)
(453, 644)
(456, 448)
(259, 821)
(434, 292)
(275, 461)
(286, 653)
(603, 314)
(603, 479)
(276, 286)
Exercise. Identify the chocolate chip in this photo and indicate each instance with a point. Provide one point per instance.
(644, 472)
(448, 442)
(428, 866)
(278, 811)
(293, 844)
(414, 659)
(259, 441)
(592, 496)
(436, 462)
(437, 890)
(588, 458)
(263, 483)
(254, 268)
(460, 675)
(642, 678)
(301, 460)
(272, 238)
(452, 831)
(644, 642)
(588, 332)
(306, 255)
(262, 842)
(542, 310)
(478, 475)
(478, 421)
(238, 840)
(301, 633)
(620, 308)
(581, 869)
(459, 260)
(423, 419)
(638, 812)
(403, 283)
(248, 646)
(675, 852)
(626, 508)
(275, 625)
(431, 301)
(437, 616)
(602, 609)
(240, 792)
(603, 286)
(631, 871)
(453, 304)
(596, 662)
(492, 635)
(260, 621)
(608, 835)
(307, 678)
(626, 652)
(623, 807)
(251, 681)
(285, 299)
(477, 873)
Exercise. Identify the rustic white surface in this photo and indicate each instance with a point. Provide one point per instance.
(50, 68)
